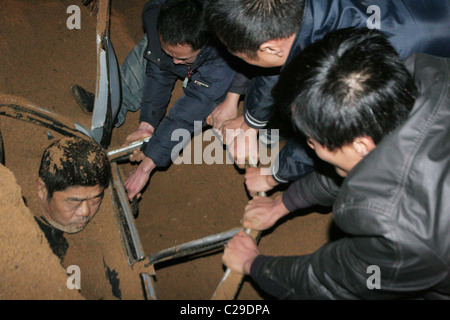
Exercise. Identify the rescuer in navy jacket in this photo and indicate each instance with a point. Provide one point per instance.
(272, 35)
(177, 48)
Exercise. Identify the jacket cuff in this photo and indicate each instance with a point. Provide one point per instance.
(260, 274)
(252, 122)
(276, 177)
(293, 198)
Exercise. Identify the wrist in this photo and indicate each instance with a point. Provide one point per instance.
(233, 97)
(147, 165)
(271, 182)
(248, 264)
(280, 208)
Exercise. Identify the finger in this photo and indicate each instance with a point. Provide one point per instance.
(252, 193)
(209, 121)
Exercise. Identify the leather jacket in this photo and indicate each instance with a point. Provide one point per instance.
(393, 205)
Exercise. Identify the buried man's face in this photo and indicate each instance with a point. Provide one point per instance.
(72, 209)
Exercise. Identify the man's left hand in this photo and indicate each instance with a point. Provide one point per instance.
(139, 178)
(240, 252)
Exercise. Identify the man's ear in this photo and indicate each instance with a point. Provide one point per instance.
(41, 189)
(363, 145)
(272, 47)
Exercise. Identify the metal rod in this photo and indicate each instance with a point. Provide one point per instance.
(125, 218)
(122, 152)
(204, 244)
(148, 287)
(231, 281)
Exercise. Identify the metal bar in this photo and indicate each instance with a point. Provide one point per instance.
(231, 281)
(201, 245)
(148, 287)
(40, 117)
(130, 234)
(122, 152)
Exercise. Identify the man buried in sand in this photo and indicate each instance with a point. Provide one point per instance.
(73, 176)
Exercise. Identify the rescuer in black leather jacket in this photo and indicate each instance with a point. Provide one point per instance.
(385, 128)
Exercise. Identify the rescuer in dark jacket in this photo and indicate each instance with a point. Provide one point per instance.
(177, 47)
(388, 136)
(272, 35)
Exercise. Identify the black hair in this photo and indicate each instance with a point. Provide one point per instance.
(180, 22)
(74, 162)
(350, 84)
(244, 25)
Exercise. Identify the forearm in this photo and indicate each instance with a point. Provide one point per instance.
(313, 189)
(147, 165)
(240, 84)
(156, 95)
(293, 162)
(258, 106)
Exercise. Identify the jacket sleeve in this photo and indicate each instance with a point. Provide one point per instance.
(313, 189)
(258, 105)
(207, 87)
(293, 162)
(335, 271)
(240, 84)
(357, 267)
(156, 96)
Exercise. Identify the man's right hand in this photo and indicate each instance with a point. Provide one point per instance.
(261, 213)
(224, 111)
(241, 141)
(255, 181)
(145, 130)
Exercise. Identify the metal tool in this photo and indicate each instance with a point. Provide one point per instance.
(123, 153)
(231, 281)
(107, 93)
(129, 233)
(194, 247)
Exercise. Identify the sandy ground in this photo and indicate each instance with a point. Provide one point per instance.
(40, 58)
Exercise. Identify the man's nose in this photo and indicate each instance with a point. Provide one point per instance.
(83, 210)
(177, 61)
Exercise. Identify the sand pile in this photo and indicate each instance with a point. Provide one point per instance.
(25, 255)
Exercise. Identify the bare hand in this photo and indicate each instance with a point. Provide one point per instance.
(137, 156)
(139, 178)
(255, 181)
(224, 111)
(261, 213)
(241, 141)
(240, 252)
(145, 130)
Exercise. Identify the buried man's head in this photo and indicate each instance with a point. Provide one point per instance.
(72, 178)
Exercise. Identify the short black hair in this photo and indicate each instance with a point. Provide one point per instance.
(180, 22)
(350, 84)
(74, 162)
(244, 25)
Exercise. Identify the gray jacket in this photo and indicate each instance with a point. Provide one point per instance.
(394, 207)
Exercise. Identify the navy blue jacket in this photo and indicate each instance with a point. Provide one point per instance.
(211, 77)
(412, 26)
